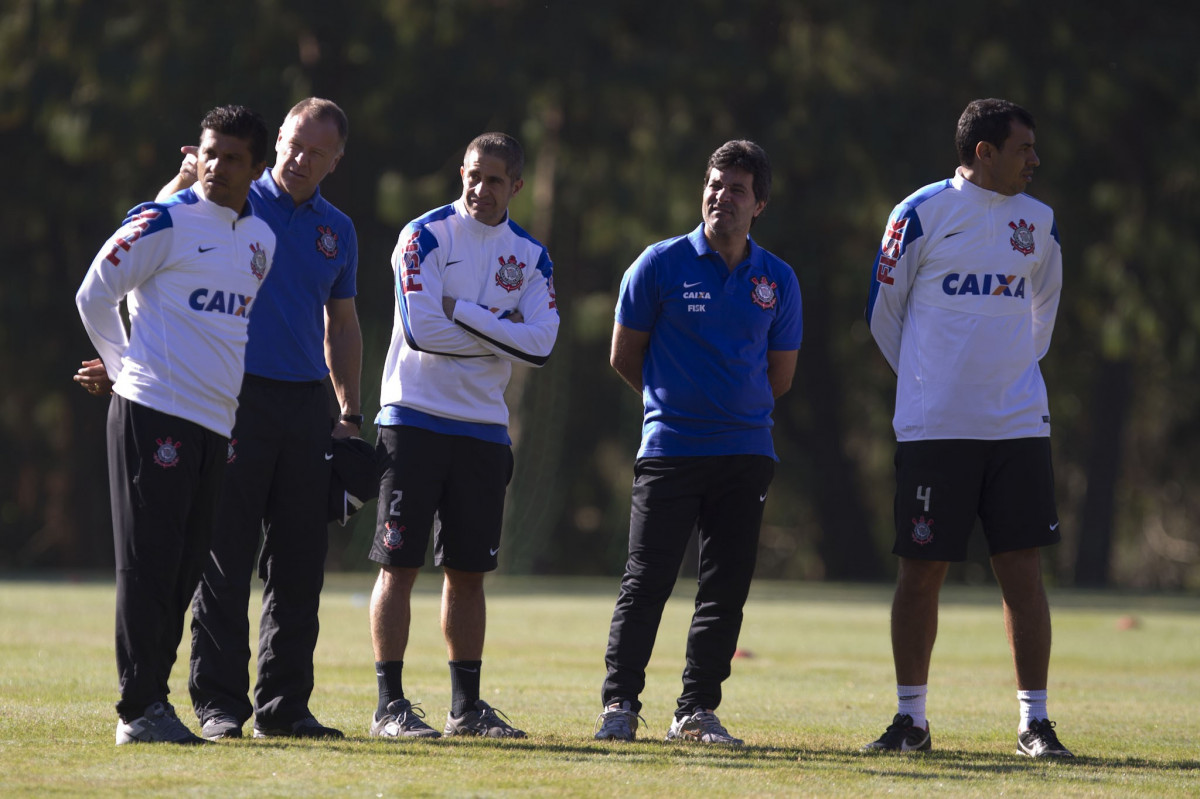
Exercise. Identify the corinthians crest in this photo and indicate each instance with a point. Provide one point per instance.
(511, 274)
(764, 292)
(327, 241)
(258, 261)
(1022, 237)
(393, 535)
(167, 454)
(922, 530)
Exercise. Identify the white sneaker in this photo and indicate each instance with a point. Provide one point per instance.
(158, 724)
(617, 723)
(703, 726)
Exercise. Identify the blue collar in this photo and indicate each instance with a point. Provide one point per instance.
(701, 246)
(267, 185)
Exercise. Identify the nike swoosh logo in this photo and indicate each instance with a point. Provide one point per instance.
(955, 233)
(692, 285)
(206, 249)
(494, 551)
(763, 498)
(452, 263)
(1054, 527)
(328, 456)
(468, 671)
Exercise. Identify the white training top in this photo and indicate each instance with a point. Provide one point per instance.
(190, 270)
(457, 369)
(963, 299)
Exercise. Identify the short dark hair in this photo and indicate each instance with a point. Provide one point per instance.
(242, 123)
(746, 155)
(320, 109)
(990, 121)
(502, 146)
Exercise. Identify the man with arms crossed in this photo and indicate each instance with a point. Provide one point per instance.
(962, 304)
(707, 330)
(305, 327)
(190, 270)
(474, 294)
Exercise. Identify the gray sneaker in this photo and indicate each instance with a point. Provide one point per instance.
(403, 719)
(617, 722)
(703, 726)
(158, 724)
(484, 721)
(221, 727)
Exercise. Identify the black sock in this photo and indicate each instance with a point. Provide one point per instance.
(390, 676)
(464, 685)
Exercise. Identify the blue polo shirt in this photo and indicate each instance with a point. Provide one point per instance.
(705, 382)
(316, 259)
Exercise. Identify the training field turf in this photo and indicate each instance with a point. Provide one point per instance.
(817, 684)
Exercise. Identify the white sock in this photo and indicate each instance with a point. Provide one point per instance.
(1033, 707)
(911, 700)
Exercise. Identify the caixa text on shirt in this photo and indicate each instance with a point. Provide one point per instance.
(217, 301)
(986, 283)
(696, 295)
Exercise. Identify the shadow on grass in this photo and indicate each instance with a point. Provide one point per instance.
(650, 751)
(926, 765)
(919, 765)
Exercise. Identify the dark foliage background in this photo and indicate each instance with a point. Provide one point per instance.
(618, 105)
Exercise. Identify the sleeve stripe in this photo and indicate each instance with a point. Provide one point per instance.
(538, 360)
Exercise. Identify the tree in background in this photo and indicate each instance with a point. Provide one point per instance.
(618, 105)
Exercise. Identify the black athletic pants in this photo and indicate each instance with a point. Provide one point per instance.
(275, 489)
(163, 474)
(722, 499)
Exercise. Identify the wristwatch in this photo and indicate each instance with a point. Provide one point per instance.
(355, 419)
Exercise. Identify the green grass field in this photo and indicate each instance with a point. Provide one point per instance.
(817, 685)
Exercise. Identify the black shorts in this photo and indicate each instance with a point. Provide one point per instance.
(943, 485)
(453, 485)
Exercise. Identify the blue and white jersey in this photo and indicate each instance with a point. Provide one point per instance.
(449, 374)
(964, 293)
(705, 385)
(190, 271)
(316, 261)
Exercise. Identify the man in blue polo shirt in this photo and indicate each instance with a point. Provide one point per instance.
(304, 327)
(707, 330)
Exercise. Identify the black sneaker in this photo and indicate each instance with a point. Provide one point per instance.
(902, 736)
(304, 728)
(1041, 741)
(221, 727)
(483, 721)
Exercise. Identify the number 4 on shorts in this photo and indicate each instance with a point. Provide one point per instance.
(925, 494)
